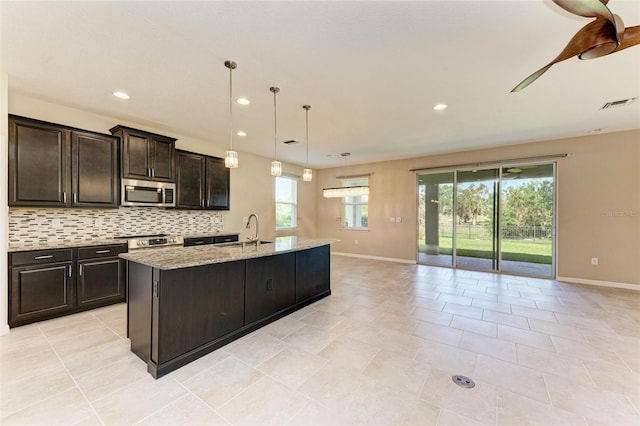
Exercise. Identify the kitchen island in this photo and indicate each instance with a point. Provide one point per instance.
(184, 302)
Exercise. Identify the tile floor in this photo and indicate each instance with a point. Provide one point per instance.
(381, 350)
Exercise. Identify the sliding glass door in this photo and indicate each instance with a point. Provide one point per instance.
(499, 219)
(476, 221)
(435, 223)
(527, 219)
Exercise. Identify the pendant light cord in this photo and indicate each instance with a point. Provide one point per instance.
(275, 90)
(230, 109)
(306, 107)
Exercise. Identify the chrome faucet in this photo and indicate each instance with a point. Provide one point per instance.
(256, 239)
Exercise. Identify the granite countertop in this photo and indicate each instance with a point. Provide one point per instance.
(186, 257)
(35, 244)
(48, 245)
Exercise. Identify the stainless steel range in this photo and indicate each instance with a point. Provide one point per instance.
(150, 241)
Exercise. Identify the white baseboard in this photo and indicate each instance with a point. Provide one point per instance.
(364, 256)
(4, 329)
(627, 286)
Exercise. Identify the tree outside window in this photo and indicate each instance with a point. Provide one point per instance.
(286, 202)
(355, 210)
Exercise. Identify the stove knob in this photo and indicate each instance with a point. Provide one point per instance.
(172, 239)
(142, 243)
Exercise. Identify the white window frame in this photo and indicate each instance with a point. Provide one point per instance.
(357, 204)
(294, 204)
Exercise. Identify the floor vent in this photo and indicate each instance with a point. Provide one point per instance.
(463, 381)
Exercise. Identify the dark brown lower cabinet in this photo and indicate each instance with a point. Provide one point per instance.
(270, 286)
(40, 291)
(176, 316)
(101, 275)
(312, 272)
(198, 305)
(46, 284)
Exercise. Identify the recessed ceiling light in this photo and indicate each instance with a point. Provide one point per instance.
(241, 133)
(243, 101)
(121, 95)
(440, 107)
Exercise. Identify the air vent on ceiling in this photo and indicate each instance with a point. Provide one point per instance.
(291, 142)
(616, 104)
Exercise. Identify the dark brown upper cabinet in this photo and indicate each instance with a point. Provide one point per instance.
(56, 166)
(146, 155)
(94, 170)
(190, 175)
(217, 184)
(202, 182)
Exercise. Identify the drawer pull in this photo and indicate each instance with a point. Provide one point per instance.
(70, 271)
(80, 272)
(199, 242)
(47, 256)
(102, 251)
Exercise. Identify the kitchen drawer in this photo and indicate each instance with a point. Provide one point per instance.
(40, 257)
(188, 242)
(101, 251)
(226, 239)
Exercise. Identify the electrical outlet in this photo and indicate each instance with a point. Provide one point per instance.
(356, 242)
(594, 260)
(398, 219)
(392, 219)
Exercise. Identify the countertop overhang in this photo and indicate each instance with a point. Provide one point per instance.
(187, 257)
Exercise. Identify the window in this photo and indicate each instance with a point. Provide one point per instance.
(355, 210)
(286, 200)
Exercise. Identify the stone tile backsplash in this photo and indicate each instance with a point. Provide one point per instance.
(47, 227)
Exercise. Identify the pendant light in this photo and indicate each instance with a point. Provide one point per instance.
(231, 156)
(346, 191)
(276, 166)
(307, 174)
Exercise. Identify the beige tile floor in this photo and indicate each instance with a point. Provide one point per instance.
(381, 350)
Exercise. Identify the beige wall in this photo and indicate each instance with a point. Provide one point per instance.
(252, 187)
(598, 204)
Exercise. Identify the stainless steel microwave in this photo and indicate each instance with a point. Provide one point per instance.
(147, 193)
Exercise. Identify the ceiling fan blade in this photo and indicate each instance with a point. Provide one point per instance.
(593, 9)
(595, 39)
(630, 37)
(533, 77)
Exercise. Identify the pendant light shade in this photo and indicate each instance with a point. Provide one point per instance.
(346, 191)
(307, 174)
(231, 156)
(276, 166)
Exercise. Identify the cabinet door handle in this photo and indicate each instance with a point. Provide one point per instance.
(75, 198)
(102, 251)
(70, 271)
(64, 197)
(47, 256)
(80, 271)
(153, 172)
(149, 171)
(199, 242)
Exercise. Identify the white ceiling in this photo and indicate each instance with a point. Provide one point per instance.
(371, 71)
